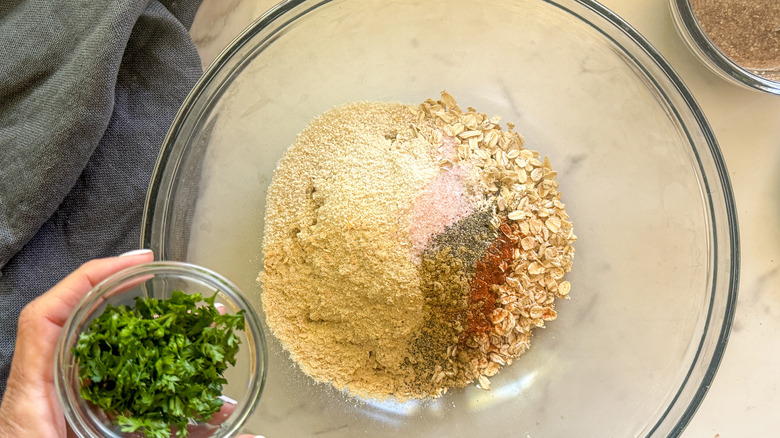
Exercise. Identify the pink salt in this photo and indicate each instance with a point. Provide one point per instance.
(442, 202)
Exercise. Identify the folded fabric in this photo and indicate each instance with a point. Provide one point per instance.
(88, 90)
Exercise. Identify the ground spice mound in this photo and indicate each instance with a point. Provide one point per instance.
(747, 31)
(411, 249)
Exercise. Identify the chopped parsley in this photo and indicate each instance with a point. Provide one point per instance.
(158, 364)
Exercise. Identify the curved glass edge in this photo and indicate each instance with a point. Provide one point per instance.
(154, 221)
(726, 235)
(703, 48)
(65, 393)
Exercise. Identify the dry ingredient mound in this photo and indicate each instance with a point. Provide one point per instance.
(747, 31)
(410, 249)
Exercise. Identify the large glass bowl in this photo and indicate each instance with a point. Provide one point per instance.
(654, 283)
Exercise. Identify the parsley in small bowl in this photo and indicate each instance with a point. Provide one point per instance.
(161, 350)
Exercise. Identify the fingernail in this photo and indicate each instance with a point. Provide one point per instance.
(228, 399)
(219, 305)
(136, 252)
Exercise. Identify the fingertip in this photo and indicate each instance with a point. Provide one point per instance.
(227, 399)
(137, 252)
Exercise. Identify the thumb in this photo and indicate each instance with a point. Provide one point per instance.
(29, 406)
(41, 321)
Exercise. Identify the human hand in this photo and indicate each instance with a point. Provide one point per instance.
(30, 407)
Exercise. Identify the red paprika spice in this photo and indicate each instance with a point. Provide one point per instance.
(491, 270)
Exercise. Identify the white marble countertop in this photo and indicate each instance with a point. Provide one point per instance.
(746, 391)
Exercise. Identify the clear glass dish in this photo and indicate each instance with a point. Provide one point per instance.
(710, 55)
(159, 280)
(655, 277)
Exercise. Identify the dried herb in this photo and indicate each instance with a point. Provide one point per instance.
(158, 364)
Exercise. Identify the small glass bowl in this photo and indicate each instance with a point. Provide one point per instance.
(158, 280)
(708, 53)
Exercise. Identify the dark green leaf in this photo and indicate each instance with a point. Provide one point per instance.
(158, 364)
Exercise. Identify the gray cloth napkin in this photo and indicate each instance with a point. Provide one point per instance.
(88, 90)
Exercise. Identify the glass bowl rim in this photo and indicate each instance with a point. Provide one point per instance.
(64, 359)
(710, 55)
(172, 151)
